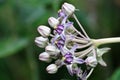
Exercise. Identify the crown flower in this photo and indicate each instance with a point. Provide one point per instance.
(52, 50)
(68, 9)
(69, 47)
(52, 68)
(53, 22)
(41, 41)
(44, 56)
(44, 30)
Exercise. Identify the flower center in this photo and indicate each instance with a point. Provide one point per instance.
(68, 58)
(60, 43)
(59, 29)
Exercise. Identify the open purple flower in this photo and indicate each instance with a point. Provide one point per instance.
(68, 59)
(60, 32)
(59, 29)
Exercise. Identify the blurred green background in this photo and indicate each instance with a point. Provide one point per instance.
(19, 20)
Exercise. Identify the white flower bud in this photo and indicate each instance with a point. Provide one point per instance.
(45, 57)
(44, 30)
(52, 50)
(52, 68)
(41, 41)
(68, 9)
(53, 22)
(91, 61)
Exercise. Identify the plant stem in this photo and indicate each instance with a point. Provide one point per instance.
(79, 41)
(83, 53)
(80, 26)
(98, 42)
(78, 32)
(90, 73)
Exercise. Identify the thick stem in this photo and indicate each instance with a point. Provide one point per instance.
(79, 41)
(98, 42)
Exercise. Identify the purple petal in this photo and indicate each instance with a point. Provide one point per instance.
(54, 39)
(68, 55)
(59, 31)
(60, 43)
(78, 60)
(68, 24)
(64, 20)
(68, 60)
(74, 48)
(63, 36)
(61, 27)
(61, 14)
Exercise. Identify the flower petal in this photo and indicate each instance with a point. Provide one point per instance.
(68, 24)
(78, 61)
(70, 70)
(73, 49)
(64, 20)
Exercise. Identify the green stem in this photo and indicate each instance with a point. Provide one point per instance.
(80, 41)
(98, 42)
(80, 25)
(90, 73)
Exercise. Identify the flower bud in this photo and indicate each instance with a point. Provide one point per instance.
(41, 41)
(68, 9)
(91, 61)
(53, 22)
(52, 68)
(44, 30)
(52, 50)
(45, 57)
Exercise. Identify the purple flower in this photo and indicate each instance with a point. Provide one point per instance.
(60, 33)
(59, 29)
(69, 59)
(60, 43)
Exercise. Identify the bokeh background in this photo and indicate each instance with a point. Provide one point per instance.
(19, 20)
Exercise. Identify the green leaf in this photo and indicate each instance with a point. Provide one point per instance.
(11, 46)
(116, 75)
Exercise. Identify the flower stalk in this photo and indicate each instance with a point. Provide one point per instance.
(98, 42)
(80, 26)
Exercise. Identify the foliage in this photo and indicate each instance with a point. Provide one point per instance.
(116, 75)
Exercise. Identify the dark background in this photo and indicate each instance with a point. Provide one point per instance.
(19, 20)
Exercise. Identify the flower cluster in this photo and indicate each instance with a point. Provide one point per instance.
(67, 46)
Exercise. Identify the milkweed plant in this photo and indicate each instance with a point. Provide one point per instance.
(67, 46)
